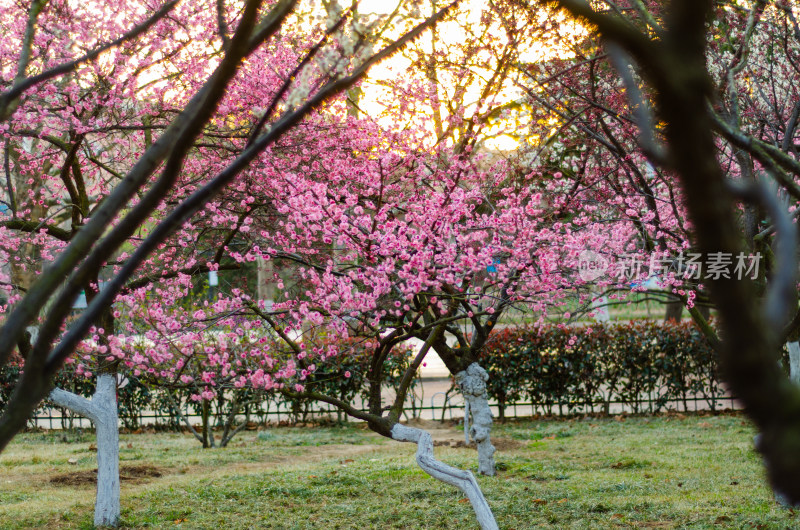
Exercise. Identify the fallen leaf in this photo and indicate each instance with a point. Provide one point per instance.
(539, 501)
(93, 447)
(463, 501)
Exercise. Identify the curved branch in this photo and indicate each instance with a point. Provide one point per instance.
(75, 403)
(461, 479)
(338, 403)
(35, 226)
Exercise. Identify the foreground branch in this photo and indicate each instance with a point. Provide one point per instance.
(463, 480)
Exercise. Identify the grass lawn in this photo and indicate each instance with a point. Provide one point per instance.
(658, 472)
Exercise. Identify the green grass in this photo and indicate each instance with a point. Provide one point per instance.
(660, 472)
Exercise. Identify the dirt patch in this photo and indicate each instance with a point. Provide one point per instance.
(142, 471)
(132, 474)
(501, 444)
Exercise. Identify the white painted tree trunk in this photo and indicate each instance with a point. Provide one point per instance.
(794, 361)
(472, 383)
(461, 479)
(102, 410)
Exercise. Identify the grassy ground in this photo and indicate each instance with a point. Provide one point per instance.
(661, 472)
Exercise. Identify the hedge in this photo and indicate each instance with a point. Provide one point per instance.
(556, 368)
(590, 367)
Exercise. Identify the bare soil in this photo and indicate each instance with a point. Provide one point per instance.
(133, 474)
(501, 444)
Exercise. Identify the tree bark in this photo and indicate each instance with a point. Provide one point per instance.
(472, 383)
(463, 480)
(266, 285)
(102, 410)
(107, 506)
(674, 311)
(794, 361)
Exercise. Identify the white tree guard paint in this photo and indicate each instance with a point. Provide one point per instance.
(472, 383)
(794, 361)
(461, 479)
(102, 410)
(466, 422)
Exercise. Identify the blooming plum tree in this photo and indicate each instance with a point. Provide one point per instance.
(597, 145)
(82, 148)
(671, 52)
(380, 244)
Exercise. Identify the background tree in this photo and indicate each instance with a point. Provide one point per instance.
(91, 116)
(672, 58)
(458, 88)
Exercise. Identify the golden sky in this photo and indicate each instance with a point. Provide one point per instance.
(450, 34)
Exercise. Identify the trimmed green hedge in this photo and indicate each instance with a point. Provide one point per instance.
(638, 364)
(642, 365)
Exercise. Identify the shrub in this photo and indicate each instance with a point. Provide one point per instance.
(594, 366)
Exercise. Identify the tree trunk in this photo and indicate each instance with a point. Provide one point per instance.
(102, 410)
(472, 383)
(463, 480)
(107, 506)
(794, 361)
(265, 277)
(674, 311)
